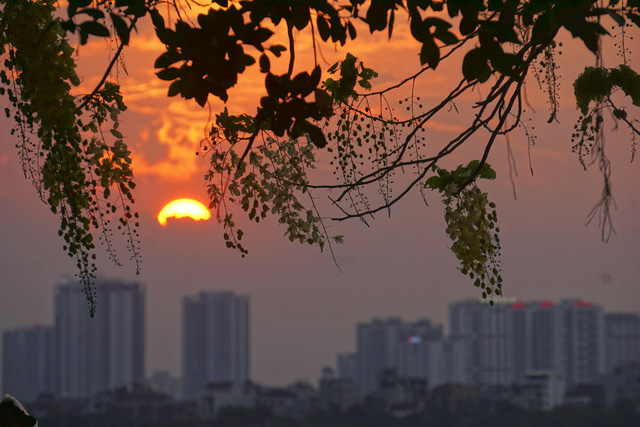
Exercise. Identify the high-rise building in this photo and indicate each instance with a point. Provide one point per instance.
(543, 337)
(27, 362)
(215, 340)
(622, 339)
(391, 344)
(484, 335)
(583, 341)
(501, 344)
(100, 352)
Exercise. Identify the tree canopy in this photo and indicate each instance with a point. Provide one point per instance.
(260, 162)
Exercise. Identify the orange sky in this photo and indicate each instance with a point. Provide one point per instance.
(402, 266)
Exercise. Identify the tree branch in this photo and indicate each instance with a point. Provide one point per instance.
(88, 98)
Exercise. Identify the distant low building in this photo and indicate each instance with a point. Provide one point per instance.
(164, 382)
(548, 389)
(295, 401)
(455, 397)
(623, 384)
(134, 402)
(338, 392)
(220, 395)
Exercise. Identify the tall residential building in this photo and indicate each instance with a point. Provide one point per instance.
(544, 337)
(583, 341)
(27, 362)
(392, 344)
(622, 339)
(501, 344)
(484, 337)
(215, 340)
(100, 352)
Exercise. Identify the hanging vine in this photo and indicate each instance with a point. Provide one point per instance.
(70, 146)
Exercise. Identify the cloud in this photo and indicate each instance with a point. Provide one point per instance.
(178, 128)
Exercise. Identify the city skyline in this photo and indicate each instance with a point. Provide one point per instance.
(422, 348)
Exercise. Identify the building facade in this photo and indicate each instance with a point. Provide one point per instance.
(483, 336)
(102, 352)
(215, 341)
(27, 362)
(502, 344)
(392, 344)
(623, 339)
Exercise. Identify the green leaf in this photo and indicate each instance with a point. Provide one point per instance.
(593, 84)
(487, 172)
(433, 182)
(619, 114)
(627, 80)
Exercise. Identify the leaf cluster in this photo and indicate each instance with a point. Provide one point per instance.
(271, 180)
(73, 172)
(471, 224)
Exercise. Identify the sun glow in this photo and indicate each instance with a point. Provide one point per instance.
(183, 208)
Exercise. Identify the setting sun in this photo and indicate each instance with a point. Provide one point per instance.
(183, 208)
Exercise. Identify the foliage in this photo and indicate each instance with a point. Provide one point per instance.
(471, 225)
(63, 147)
(271, 180)
(261, 161)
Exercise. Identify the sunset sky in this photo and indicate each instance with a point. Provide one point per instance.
(304, 310)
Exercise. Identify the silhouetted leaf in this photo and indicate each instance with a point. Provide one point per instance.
(315, 134)
(169, 73)
(277, 50)
(95, 29)
(265, 64)
(377, 14)
(121, 27)
(352, 30)
(175, 88)
(167, 59)
(324, 102)
(323, 28)
(156, 18)
(300, 16)
(468, 24)
(474, 66)
(430, 53)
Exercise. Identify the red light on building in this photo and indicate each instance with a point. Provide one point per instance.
(546, 304)
(518, 305)
(582, 304)
(36, 326)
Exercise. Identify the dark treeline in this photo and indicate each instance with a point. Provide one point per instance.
(621, 415)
